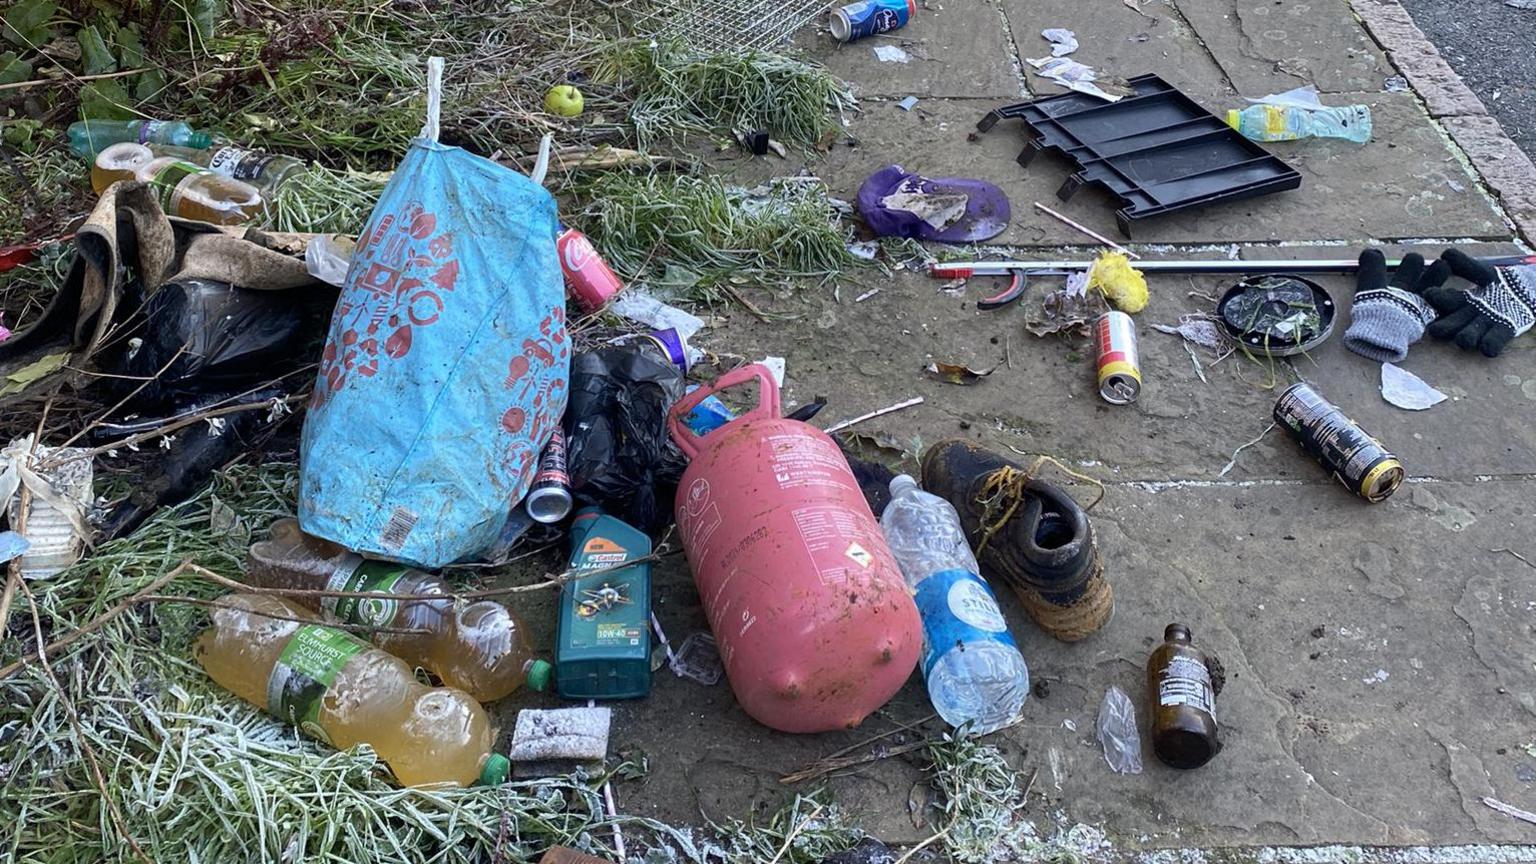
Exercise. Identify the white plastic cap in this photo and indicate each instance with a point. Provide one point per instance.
(901, 484)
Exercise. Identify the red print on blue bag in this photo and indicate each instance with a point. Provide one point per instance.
(379, 314)
(527, 375)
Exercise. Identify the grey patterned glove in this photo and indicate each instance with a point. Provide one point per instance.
(1385, 319)
(1501, 307)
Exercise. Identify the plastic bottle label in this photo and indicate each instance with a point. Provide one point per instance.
(305, 670)
(355, 573)
(168, 182)
(148, 129)
(957, 607)
(246, 165)
(1186, 681)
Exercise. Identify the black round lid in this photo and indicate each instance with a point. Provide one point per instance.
(1278, 314)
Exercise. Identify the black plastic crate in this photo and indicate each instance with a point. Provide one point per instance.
(1157, 151)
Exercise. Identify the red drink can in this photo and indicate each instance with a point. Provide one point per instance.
(587, 277)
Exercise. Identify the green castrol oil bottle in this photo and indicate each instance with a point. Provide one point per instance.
(603, 635)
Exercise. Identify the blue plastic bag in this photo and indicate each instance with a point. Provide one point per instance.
(446, 366)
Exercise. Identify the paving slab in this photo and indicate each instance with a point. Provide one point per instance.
(957, 49)
(1375, 689)
(1121, 42)
(1486, 428)
(1405, 183)
(867, 355)
(1269, 46)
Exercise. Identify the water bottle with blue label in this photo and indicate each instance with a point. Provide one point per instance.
(975, 673)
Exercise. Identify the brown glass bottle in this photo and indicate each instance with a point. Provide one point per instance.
(1183, 701)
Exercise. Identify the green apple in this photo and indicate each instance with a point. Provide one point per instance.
(564, 100)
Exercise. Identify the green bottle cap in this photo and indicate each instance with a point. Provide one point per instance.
(200, 141)
(539, 672)
(1234, 118)
(496, 770)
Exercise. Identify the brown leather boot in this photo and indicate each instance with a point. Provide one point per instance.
(1028, 533)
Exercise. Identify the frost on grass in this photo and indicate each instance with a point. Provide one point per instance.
(983, 812)
(190, 772)
(685, 235)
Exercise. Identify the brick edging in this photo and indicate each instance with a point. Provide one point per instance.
(1505, 169)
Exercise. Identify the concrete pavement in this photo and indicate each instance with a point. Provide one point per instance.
(1382, 670)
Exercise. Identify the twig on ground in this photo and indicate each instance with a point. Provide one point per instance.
(1521, 558)
(1231, 463)
(838, 427)
(95, 623)
(215, 603)
(830, 764)
(750, 306)
(1507, 810)
(39, 82)
(1086, 230)
(124, 401)
(179, 424)
(796, 776)
(923, 845)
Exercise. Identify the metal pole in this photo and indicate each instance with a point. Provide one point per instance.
(963, 269)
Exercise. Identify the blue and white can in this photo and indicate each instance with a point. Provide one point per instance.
(868, 17)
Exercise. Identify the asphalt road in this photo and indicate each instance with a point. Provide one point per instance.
(1493, 47)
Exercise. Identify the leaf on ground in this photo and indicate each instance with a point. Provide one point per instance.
(955, 373)
(17, 381)
(150, 85)
(105, 100)
(204, 17)
(26, 23)
(130, 48)
(96, 58)
(13, 69)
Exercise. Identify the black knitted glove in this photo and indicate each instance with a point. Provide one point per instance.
(1385, 319)
(1499, 308)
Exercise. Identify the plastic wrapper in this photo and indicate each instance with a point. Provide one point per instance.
(1117, 732)
(619, 455)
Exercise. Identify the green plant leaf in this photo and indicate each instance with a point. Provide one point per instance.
(95, 57)
(106, 100)
(130, 48)
(20, 134)
(13, 68)
(26, 23)
(150, 85)
(204, 16)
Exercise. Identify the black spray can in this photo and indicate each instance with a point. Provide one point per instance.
(1355, 458)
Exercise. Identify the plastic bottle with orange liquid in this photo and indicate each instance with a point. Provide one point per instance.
(339, 689)
(480, 648)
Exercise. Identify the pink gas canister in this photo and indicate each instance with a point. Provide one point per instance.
(814, 622)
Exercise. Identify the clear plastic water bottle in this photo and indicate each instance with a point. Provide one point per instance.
(974, 671)
(1289, 122)
(89, 137)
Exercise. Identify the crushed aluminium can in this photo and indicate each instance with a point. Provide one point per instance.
(1118, 362)
(1347, 451)
(869, 17)
(671, 343)
(549, 501)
